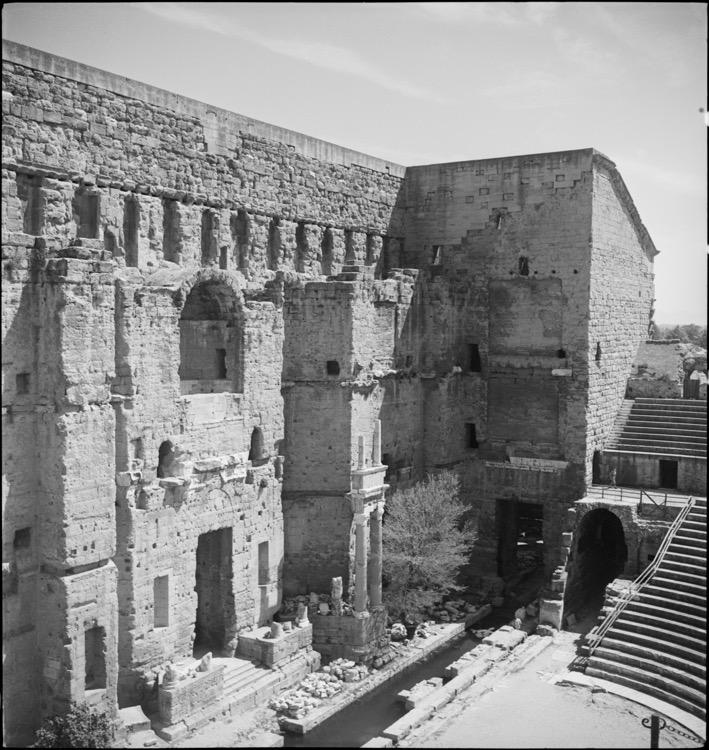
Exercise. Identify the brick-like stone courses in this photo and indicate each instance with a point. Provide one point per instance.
(621, 293)
(518, 233)
(169, 335)
(118, 146)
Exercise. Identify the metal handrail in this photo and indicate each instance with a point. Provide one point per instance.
(662, 506)
(636, 586)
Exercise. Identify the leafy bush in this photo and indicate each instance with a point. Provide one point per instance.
(81, 727)
(425, 544)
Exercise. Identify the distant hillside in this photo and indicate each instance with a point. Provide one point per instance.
(687, 334)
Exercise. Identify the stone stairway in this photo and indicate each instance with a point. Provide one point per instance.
(664, 426)
(243, 680)
(657, 645)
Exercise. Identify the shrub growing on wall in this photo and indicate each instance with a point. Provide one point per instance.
(425, 544)
(81, 727)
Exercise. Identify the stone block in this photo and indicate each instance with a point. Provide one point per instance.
(551, 612)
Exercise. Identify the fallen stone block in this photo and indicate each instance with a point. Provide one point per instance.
(399, 729)
(172, 733)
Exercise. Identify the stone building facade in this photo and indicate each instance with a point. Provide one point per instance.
(223, 340)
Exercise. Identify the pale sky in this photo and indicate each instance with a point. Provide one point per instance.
(423, 83)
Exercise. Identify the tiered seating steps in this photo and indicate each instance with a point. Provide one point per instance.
(667, 426)
(658, 643)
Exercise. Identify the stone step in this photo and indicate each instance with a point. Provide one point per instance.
(658, 619)
(671, 417)
(235, 679)
(642, 427)
(659, 442)
(690, 650)
(685, 558)
(681, 675)
(668, 637)
(680, 589)
(683, 572)
(684, 404)
(691, 701)
(634, 446)
(680, 599)
(650, 654)
(689, 532)
(695, 523)
(655, 674)
(661, 608)
(695, 548)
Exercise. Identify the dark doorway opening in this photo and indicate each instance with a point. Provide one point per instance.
(596, 467)
(520, 549)
(601, 555)
(215, 598)
(95, 658)
(668, 474)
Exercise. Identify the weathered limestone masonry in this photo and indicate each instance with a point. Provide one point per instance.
(223, 341)
(539, 288)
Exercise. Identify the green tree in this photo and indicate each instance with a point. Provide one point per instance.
(81, 727)
(425, 544)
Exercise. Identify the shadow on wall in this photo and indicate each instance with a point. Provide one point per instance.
(600, 555)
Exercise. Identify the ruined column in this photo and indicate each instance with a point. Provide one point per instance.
(377, 443)
(360, 602)
(375, 558)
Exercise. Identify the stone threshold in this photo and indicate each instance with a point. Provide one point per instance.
(356, 690)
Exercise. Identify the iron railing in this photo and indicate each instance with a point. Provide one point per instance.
(662, 506)
(637, 585)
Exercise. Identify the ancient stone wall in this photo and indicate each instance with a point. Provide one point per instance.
(621, 293)
(204, 318)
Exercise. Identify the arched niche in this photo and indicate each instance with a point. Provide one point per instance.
(211, 340)
(600, 556)
(257, 449)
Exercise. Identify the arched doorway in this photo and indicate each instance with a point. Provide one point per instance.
(600, 556)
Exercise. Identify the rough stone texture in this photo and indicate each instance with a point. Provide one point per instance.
(202, 317)
(349, 637)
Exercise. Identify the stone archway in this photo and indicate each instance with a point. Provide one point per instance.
(600, 555)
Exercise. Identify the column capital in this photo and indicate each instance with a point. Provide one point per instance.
(360, 518)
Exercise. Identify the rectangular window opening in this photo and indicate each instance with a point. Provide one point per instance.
(668, 474)
(221, 364)
(23, 538)
(131, 231)
(470, 435)
(22, 383)
(161, 601)
(86, 207)
(474, 362)
(29, 191)
(263, 576)
(95, 658)
(209, 236)
(170, 230)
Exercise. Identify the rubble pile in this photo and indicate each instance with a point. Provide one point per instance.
(452, 611)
